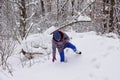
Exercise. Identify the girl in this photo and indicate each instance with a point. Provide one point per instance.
(60, 41)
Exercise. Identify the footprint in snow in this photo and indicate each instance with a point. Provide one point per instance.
(95, 63)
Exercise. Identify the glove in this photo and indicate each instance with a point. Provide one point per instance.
(53, 59)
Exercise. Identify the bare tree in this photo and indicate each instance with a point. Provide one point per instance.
(108, 9)
(104, 14)
(6, 51)
(111, 25)
(116, 16)
(23, 16)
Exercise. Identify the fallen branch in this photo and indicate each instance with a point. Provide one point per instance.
(29, 55)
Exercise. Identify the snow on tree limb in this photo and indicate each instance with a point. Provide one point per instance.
(84, 18)
(71, 23)
(18, 3)
(30, 16)
(79, 18)
(28, 30)
(31, 3)
(88, 5)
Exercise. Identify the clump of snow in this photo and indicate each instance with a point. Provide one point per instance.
(35, 42)
(84, 18)
(119, 23)
(112, 35)
(92, 0)
(89, 1)
(50, 30)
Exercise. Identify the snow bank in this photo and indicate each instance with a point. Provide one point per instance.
(4, 77)
(37, 43)
(99, 61)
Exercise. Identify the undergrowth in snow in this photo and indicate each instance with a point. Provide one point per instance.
(99, 60)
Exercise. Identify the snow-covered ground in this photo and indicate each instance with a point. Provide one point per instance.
(100, 60)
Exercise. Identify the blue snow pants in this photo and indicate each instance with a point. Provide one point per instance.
(68, 45)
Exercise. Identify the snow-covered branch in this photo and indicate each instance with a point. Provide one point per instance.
(18, 3)
(27, 19)
(31, 3)
(84, 9)
(28, 30)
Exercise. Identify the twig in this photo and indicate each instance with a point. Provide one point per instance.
(28, 30)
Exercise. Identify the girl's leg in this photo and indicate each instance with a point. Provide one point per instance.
(70, 45)
(62, 56)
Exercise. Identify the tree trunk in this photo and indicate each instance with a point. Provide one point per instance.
(104, 21)
(23, 15)
(111, 27)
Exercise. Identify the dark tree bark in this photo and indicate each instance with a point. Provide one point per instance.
(23, 16)
(111, 25)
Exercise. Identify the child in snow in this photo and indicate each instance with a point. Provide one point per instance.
(60, 41)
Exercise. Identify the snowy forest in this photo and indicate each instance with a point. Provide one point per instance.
(21, 18)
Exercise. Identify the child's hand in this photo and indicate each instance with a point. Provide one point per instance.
(53, 59)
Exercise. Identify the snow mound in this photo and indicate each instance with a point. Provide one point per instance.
(38, 43)
(3, 77)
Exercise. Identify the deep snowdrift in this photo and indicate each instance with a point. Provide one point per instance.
(99, 61)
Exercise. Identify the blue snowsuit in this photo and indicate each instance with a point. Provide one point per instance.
(61, 44)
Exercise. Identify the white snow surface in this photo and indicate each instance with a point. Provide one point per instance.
(100, 60)
(4, 76)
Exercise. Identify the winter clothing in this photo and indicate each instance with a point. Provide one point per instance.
(60, 41)
(68, 45)
(57, 35)
(53, 59)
